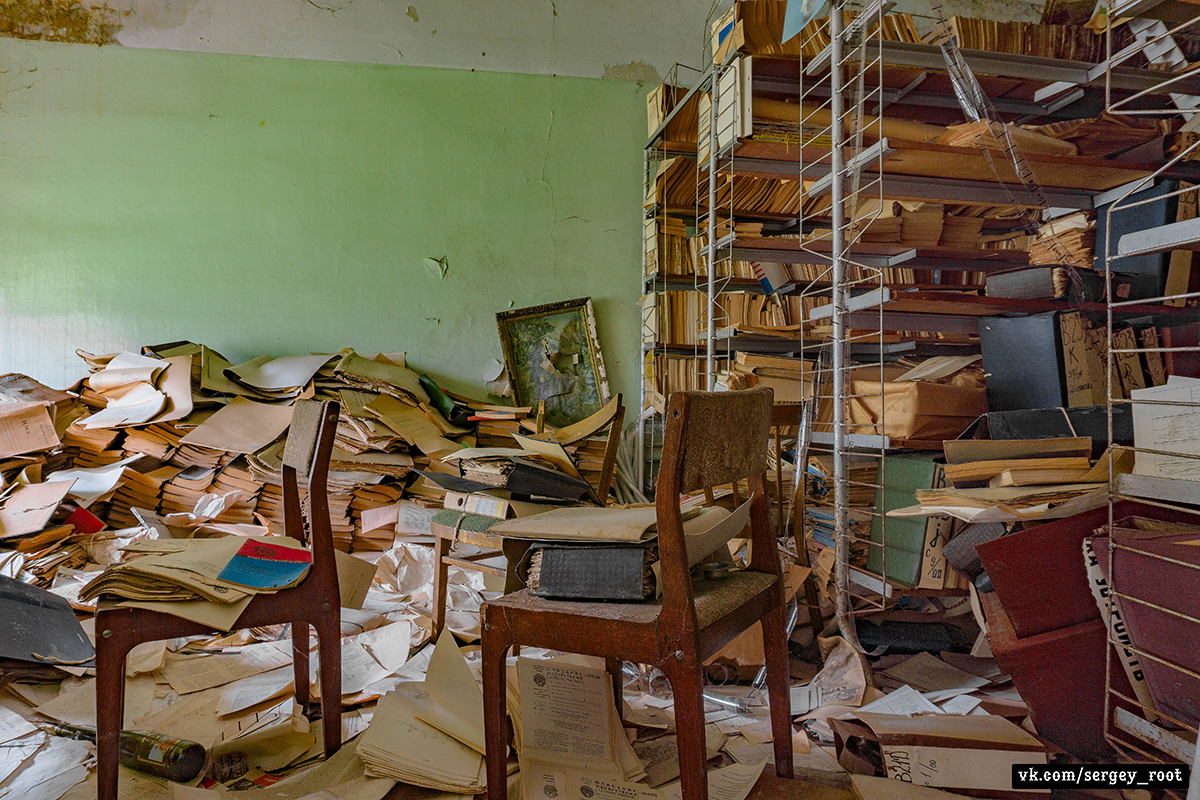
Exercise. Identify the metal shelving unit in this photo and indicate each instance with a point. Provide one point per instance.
(1166, 473)
(1167, 459)
(866, 314)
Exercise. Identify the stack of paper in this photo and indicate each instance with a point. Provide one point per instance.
(236, 477)
(373, 510)
(567, 719)
(922, 227)
(278, 379)
(960, 233)
(91, 447)
(359, 431)
(984, 135)
(137, 390)
(383, 376)
(399, 745)
(188, 581)
(183, 490)
(266, 467)
(137, 490)
(1107, 134)
(497, 424)
(157, 441)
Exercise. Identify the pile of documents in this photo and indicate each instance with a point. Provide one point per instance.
(1018, 479)
(431, 734)
(226, 572)
(1069, 42)
(1108, 134)
(179, 431)
(1069, 241)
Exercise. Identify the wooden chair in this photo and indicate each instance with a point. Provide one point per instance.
(454, 527)
(711, 439)
(315, 602)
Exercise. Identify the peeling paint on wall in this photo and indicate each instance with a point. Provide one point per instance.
(633, 71)
(60, 21)
(161, 15)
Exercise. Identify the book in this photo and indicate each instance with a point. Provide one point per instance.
(267, 566)
(1047, 283)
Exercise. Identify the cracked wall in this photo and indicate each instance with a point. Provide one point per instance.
(633, 40)
(630, 40)
(271, 206)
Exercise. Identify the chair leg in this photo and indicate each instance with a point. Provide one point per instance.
(110, 711)
(441, 576)
(329, 653)
(613, 665)
(687, 682)
(775, 650)
(497, 637)
(300, 663)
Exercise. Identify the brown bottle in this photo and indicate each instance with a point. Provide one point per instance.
(178, 760)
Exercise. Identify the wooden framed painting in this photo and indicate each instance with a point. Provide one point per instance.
(552, 354)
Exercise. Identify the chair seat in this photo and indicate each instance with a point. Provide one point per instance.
(713, 599)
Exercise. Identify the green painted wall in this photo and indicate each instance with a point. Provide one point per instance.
(275, 206)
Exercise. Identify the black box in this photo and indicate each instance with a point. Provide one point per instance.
(1052, 423)
(1022, 361)
(1149, 272)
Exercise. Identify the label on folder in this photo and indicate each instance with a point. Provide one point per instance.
(260, 565)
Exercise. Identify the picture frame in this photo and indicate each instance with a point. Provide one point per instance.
(552, 353)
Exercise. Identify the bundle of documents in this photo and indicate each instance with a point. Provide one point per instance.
(960, 233)
(398, 745)
(136, 389)
(223, 572)
(276, 380)
(674, 183)
(365, 503)
(1048, 282)
(236, 477)
(1070, 42)
(181, 491)
(881, 230)
(669, 253)
(159, 441)
(138, 490)
(1107, 134)
(991, 135)
(1069, 240)
(431, 734)
(88, 443)
(564, 716)
(922, 227)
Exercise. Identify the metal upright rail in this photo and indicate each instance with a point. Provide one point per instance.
(843, 317)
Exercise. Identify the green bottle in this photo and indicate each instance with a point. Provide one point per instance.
(178, 760)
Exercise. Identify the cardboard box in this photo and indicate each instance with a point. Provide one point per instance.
(952, 752)
(1155, 572)
(913, 410)
(1060, 675)
(1039, 573)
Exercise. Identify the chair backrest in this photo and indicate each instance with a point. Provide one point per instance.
(612, 416)
(306, 456)
(711, 439)
(610, 451)
(723, 437)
